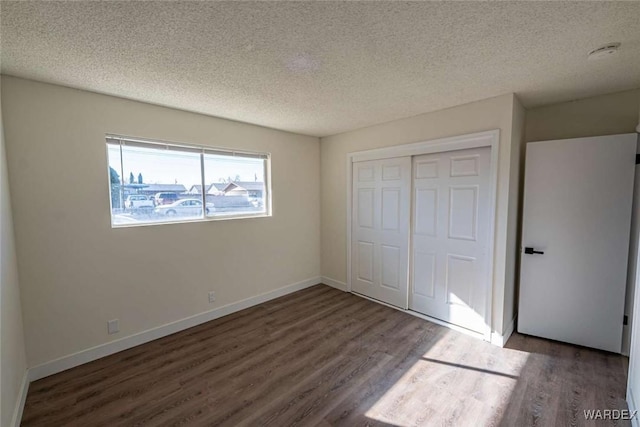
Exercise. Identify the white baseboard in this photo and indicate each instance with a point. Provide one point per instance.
(102, 350)
(22, 398)
(501, 339)
(334, 283)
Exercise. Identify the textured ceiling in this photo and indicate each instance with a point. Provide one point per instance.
(321, 68)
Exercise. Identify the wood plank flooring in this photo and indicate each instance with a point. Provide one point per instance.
(324, 357)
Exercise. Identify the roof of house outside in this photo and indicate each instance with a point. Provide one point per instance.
(247, 185)
(158, 188)
(219, 186)
(223, 187)
(195, 189)
(216, 188)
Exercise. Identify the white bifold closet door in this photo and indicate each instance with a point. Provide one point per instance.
(380, 229)
(450, 236)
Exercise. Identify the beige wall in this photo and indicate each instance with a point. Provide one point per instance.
(76, 272)
(493, 113)
(13, 361)
(600, 115)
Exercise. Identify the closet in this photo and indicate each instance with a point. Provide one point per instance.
(422, 230)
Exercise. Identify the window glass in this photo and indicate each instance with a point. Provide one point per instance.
(235, 185)
(155, 182)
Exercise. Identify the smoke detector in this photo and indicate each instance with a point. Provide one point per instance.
(604, 51)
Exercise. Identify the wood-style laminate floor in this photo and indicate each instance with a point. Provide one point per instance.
(324, 357)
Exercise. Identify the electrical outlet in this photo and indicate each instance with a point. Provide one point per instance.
(212, 297)
(113, 326)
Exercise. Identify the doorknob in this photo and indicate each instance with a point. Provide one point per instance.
(532, 251)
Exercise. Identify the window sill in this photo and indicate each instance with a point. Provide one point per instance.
(196, 220)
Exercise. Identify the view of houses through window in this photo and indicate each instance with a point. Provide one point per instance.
(156, 182)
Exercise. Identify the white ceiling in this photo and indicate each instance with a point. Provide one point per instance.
(321, 68)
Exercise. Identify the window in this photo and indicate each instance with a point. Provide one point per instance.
(154, 182)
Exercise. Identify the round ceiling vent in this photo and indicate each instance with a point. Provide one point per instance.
(604, 51)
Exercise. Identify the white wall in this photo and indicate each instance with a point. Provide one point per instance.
(76, 272)
(631, 267)
(493, 113)
(13, 362)
(633, 380)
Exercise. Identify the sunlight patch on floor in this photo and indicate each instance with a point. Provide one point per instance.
(480, 384)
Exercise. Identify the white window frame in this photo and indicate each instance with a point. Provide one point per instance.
(112, 139)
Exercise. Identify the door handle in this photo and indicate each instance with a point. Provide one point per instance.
(531, 251)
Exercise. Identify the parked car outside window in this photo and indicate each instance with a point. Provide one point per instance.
(138, 202)
(165, 198)
(186, 207)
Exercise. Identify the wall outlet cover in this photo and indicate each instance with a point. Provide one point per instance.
(113, 326)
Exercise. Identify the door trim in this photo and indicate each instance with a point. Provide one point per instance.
(489, 138)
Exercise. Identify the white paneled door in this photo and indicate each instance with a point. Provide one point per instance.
(450, 236)
(380, 229)
(575, 233)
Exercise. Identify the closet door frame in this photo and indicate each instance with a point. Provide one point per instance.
(481, 139)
